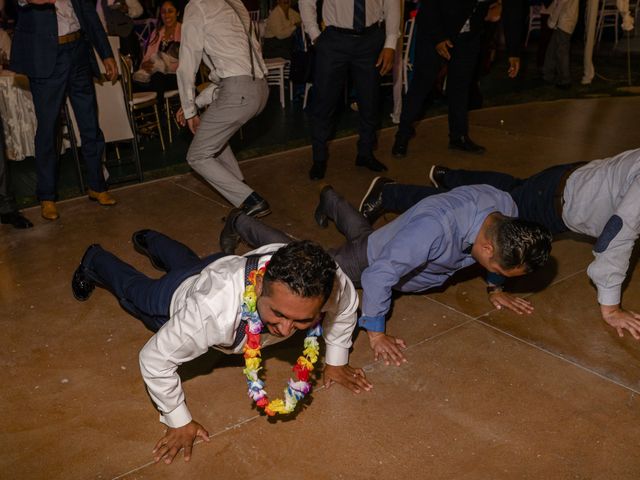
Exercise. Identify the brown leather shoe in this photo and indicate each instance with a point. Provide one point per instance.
(103, 198)
(48, 210)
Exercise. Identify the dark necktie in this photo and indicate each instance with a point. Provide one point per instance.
(359, 15)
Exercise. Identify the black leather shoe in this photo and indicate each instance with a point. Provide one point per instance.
(81, 285)
(317, 170)
(399, 149)
(436, 175)
(319, 215)
(255, 206)
(229, 238)
(465, 144)
(16, 219)
(371, 204)
(139, 240)
(371, 163)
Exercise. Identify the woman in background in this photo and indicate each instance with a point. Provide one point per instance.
(278, 36)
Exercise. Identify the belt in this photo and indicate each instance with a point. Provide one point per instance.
(69, 37)
(349, 31)
(558, 196)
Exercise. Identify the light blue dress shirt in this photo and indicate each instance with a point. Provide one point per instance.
(424, 246)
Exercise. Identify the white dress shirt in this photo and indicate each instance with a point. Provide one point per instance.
(216, 32)
(205, 312)
(339, 13)
(592, 196)
(67, 20)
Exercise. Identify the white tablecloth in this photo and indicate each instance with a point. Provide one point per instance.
(18, 115)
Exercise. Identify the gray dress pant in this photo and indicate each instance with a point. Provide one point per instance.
(351, 256)
(239, 100)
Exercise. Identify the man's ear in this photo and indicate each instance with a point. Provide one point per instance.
(488, 248)
(259, 284)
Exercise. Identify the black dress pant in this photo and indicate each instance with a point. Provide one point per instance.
(339, 54)
(461, 68)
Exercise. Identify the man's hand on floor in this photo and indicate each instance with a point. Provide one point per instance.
(352, 378)
(176, 439)
(621, 320)
(387, 348)
(501, 300)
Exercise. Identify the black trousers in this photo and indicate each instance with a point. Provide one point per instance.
(7, 201)
(336, 55)
(427, 63)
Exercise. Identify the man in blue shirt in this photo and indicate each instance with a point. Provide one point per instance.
(418, 250)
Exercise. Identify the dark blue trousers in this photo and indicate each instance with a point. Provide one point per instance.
(146, 298)
(339, 54)
(534, 196)
(71, 76)
(427, 63)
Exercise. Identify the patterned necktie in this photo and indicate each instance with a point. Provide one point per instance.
(359, 15)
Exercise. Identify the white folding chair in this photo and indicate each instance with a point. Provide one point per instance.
(407, 40)
(277, 73)
(535, 21)
(607, 18)
(254, 15)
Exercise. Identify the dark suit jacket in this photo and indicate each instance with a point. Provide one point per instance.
(443, 19)
(35, 41)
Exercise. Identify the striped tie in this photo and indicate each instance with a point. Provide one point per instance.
(359, 15)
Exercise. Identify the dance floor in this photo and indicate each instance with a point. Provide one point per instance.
(486, 394)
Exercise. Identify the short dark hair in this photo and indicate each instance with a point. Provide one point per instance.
(520, 243)
(303, 266)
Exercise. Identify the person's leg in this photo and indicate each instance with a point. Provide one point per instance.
(256, 233)
(146, 299)
(549, 68)
(48, 95)
(351, 257)
(398, 197)
(501, 181)
(329, 78)
(425, 70)
(348, 220)
(461, 67)
(563, 58)
(366, 79)
(543, 40)
(173, 254)
(237, 102)
(83, 99)
(7, 201)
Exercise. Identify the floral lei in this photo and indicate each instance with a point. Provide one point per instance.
(296, 389)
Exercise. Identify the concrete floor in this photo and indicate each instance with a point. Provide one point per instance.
(485, 395)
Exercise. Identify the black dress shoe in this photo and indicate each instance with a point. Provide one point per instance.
(371, 163)
(465, 144)
(317, 170)
(139, 240)
(229, 238)
(436, 175)
(371, 204)
(81, 285)
(400, 146)
(319, 215)
(255, 206)
(16, 219)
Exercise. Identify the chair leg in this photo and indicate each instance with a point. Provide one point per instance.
(117, 152)
(282, 87)
(167, 111)
(155, 109)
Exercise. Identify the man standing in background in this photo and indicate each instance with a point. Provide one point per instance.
(360, 39)
(52, 45)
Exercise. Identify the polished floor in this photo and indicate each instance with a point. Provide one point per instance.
(486, 394)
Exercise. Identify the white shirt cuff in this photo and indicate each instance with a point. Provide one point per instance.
(336, 356)
(609, 296)
(391, 41)
(177, 418)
